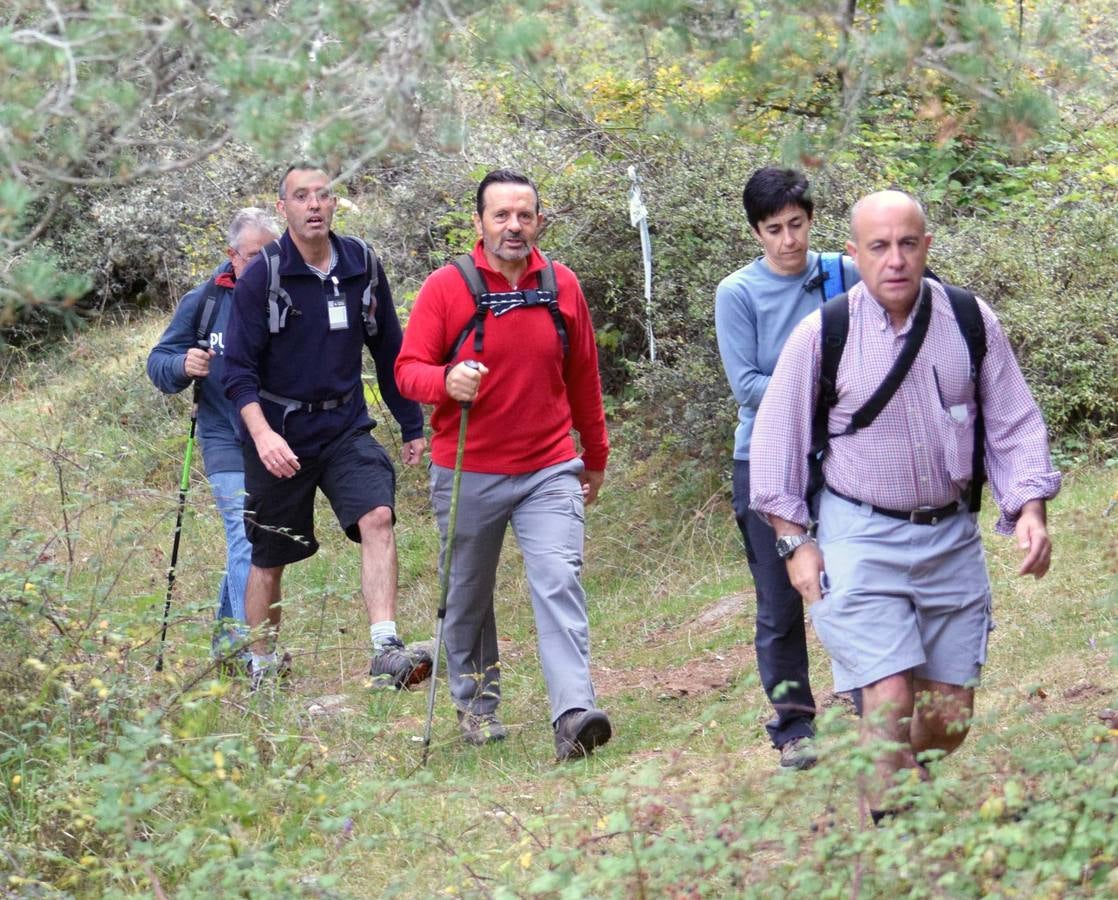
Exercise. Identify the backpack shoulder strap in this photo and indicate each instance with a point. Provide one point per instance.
(897, 373)
(279, 301)
(478, 289)
(973, 329)
(368, 296)
(835, 318)
(971, 325)
(835, 323)
(470, 274)
(549, 285)
(205, 314)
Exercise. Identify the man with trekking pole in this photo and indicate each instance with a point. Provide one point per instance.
(755, 309)
(301, 316)
(509, 332)
(192, 351)
(907, 390)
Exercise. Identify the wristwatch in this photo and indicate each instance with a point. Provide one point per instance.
(787, 545)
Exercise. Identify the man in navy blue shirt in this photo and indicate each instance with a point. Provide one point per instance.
(183, 356)
(301, 315)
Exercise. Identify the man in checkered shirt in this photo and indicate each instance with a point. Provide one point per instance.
(901, 601)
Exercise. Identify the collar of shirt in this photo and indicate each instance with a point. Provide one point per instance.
(333, 262)
(884, 320)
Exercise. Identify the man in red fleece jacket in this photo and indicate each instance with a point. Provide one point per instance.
(533, 382)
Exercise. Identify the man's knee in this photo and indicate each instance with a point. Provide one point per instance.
(376, 524)
(942, 715)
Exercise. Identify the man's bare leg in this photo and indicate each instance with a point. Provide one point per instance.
(378, 564)
(887, 714)
(262, 604)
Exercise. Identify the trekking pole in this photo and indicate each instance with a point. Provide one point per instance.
(444, 581)
(184, 485)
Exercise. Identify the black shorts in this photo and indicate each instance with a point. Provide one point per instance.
(353, 471)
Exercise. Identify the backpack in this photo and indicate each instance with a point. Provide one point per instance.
(485, 301)
(835, 324)
(830, 276)
(205, 314)
(279, 301)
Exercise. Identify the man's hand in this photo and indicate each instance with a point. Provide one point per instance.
(276, 454)
(197, 363)
(272, 449)
(591, 484)
(1032, 538)
(805, 568)
(463, 381)
(805, 565)
(413, 451)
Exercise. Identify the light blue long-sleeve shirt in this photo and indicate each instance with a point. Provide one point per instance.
(755, 310)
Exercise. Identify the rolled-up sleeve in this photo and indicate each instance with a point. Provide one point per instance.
(1018, 461)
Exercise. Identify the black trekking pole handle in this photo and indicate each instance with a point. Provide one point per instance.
(184, 486)
(444, 586)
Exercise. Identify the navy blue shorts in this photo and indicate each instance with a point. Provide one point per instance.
(353, 471)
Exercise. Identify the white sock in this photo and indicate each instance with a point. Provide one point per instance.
(264, 662)
(380, 632)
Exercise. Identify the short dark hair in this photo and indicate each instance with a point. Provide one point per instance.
(771, 189)
(301, 165)
(504, 176)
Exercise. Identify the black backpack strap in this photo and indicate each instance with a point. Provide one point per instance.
(870, 410)
(279, 301)
(835, 322)
(485, 300)
(368, 296)
(549, 285)
(973, 329)
(205, 314)
(474, 281)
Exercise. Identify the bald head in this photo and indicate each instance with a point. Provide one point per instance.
(889, 244)
(873, 204)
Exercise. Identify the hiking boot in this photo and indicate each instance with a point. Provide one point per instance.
(276, 675)
(798, 753)
(579, 731)
(480, 729)
(397, 666)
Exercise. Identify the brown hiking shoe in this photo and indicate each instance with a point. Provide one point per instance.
(396, 666)
(579, 731)
(479, 729)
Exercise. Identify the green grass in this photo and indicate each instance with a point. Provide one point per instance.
(116, 779)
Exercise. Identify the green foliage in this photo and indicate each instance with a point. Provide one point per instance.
(1045, 823)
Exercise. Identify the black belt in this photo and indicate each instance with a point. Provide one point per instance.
(925, 515)
(290, 404)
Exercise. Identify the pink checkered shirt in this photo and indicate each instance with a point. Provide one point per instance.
(918, 452)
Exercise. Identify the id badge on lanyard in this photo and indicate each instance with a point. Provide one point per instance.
(336, 308)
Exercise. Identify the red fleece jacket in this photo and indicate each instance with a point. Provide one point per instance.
(527, 405)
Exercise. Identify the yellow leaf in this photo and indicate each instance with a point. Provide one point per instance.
(526, 859)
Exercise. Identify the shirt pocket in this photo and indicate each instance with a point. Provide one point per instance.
(957, 423)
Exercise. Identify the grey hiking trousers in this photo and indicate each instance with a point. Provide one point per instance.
(545, 509)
